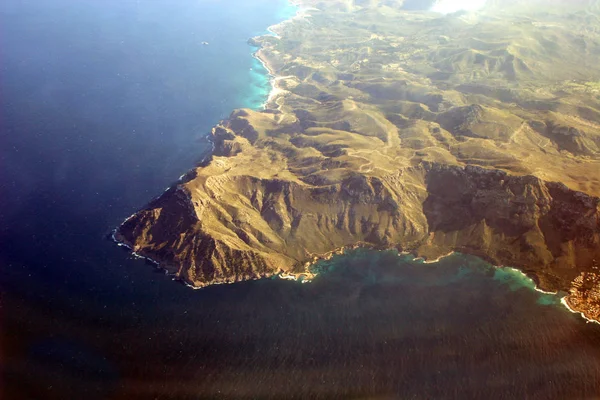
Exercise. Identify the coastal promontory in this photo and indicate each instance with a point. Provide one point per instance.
(476, 132)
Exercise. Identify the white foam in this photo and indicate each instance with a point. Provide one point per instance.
(440, 258)
(275, 92)
(537, 289)
(588, 320)
(563, 299)
(302, 278)
(307, 278)
(525, 276)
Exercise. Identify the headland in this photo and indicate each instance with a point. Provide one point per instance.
(427, 133)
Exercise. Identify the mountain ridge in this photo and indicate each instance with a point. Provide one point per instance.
(407, 130)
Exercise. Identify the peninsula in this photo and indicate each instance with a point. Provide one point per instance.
(393, 127)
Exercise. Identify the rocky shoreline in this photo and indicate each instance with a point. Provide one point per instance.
(427, 164)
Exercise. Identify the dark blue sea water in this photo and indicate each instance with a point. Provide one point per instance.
(103, 105)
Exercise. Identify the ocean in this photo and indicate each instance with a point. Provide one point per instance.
(103, 105)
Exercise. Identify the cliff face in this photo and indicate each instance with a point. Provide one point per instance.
(277, 226)
(242, 227)
(401, 130)
(544, 228)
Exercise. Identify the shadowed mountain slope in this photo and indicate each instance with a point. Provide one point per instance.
(392, 128)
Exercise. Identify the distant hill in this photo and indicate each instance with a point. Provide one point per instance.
(476, 132)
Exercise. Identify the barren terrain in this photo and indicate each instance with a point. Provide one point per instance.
(471, 132)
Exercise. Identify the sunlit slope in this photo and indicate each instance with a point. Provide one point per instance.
(525, 83)
(477, 132)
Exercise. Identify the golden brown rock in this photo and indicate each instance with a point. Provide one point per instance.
(393, 129)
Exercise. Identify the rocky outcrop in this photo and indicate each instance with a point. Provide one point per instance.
(428, 145)
(584, 295)
(544, 228)
(274, 226)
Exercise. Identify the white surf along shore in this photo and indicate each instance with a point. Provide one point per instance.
(276, 92)
(303, 13)
(563, 301)
(307, 276)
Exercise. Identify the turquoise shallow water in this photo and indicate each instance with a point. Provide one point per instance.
(261, 86)
(259, 78)
(516, 280)
(450, 270)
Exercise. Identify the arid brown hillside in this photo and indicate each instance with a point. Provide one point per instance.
(411, 130)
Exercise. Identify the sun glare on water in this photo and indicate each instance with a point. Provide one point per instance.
(450, 6)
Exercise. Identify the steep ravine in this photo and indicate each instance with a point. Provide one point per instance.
(549, 231)
(455, 140)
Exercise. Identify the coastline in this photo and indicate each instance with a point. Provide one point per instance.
(534, 283)
(261, 54)
(435, 260)
(174, 276)
(301, 13)
(273, 30)
(565, 302)
(308, 275)
(274, 93)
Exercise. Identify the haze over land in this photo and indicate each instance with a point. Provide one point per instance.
(450, 6)
(403, 128)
